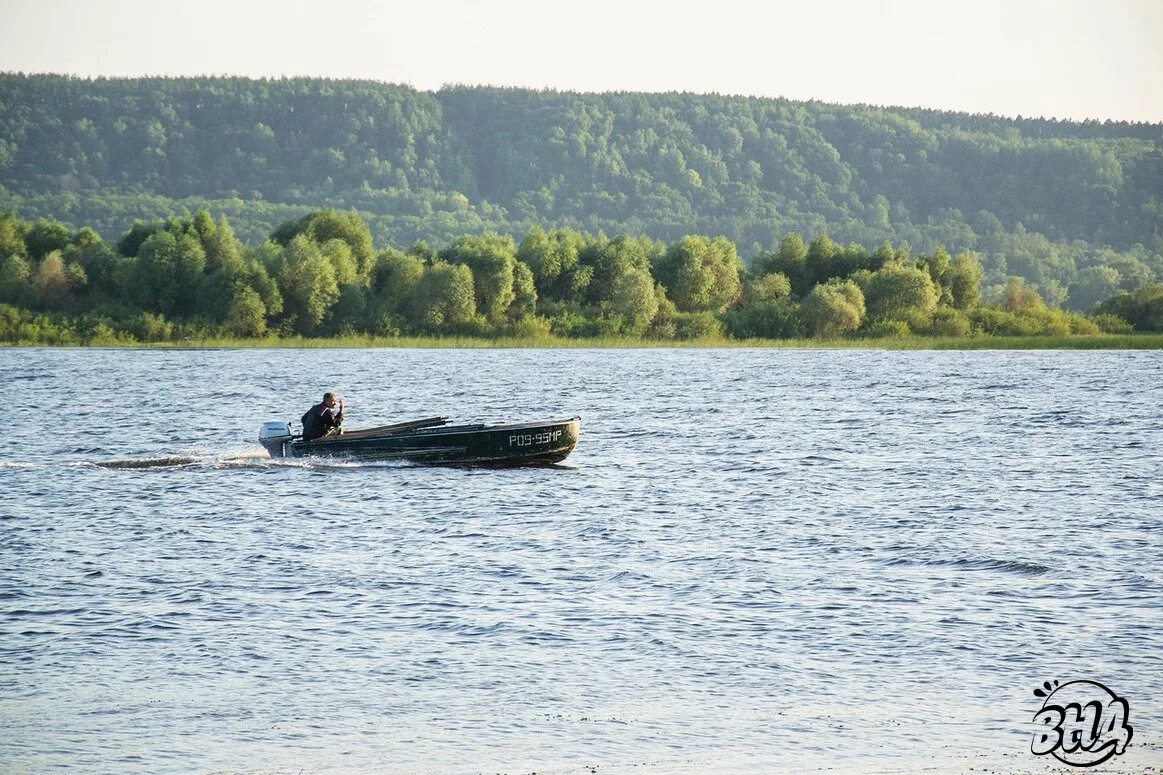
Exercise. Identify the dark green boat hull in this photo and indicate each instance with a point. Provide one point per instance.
(518, 444)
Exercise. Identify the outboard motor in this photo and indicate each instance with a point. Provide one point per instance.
(275, 436)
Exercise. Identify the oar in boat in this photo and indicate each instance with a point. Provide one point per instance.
(411, 425)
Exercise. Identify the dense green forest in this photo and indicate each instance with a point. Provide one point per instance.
(191, 278)
(1074, 208)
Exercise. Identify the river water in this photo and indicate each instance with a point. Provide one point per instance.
(755, 561)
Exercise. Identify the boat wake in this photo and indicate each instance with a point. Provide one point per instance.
(155, 462)
(252, 460)
(244, 459)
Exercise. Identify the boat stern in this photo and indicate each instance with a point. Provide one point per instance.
(275, 436)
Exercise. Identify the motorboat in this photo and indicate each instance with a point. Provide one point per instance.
(434, 441)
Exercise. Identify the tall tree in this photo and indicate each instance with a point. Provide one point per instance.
(492, 259)
(166, 273)
(1092, 285)
(895, 291)
(963, 278)
(394, 279)
(701, 274)
(14, 281)
(789, 259)
(246, 315)
(444, 297)
(552, 257)
(633, 301)
(44, 237)
(321, 226)
(307, 282)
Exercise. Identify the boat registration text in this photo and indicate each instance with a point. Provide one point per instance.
(528, 439)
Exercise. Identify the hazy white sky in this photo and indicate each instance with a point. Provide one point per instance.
(1065, 58)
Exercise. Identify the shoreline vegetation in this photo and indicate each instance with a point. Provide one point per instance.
(1077, 342)
(318, 280)
(1133, 341)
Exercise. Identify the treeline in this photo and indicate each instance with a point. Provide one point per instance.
(1075, 208)
(321, 275)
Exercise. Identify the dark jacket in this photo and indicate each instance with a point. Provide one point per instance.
(319, 419)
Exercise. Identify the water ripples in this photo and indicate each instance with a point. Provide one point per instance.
(876, 555)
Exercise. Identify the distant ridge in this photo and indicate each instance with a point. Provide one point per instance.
(1042, 198)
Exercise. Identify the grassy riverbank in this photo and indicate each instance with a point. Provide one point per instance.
(1087, 342)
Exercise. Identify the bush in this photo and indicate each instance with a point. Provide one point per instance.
(1149, 302)
(697, 325)
(385, 324)
(920, 321)
(10, 321)
(1111, 324)
(194, 330)
(771, 320)
(1018, 297)
(567, 323)
(949, 322)
(663, 325)
(1037, 320)
(599, 326)
(770, 287)
(893, 290)
(147, 327)
(1052, 322)
(102, 334)
(530, 327)
(565, 317)
(833, 308)
(476, 326)
(999, 322)
(42, 330)
(1143, 309)
(1080, 325)
(887, 329)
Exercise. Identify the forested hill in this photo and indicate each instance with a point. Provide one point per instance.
(1060, 203)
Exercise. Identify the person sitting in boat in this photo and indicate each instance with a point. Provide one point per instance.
(322, 419)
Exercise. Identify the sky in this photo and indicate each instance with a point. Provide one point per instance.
(1074, 59)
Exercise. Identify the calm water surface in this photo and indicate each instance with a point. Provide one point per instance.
(756, 561)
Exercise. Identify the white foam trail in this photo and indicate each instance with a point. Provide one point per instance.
(231, 459)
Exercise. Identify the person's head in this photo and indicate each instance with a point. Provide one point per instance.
(329, 399)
